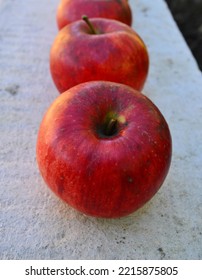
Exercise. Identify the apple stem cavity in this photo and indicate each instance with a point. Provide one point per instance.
(111, 127)
(91, 27)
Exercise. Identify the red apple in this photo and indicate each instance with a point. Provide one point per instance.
(71, 10)
(104, 148)
(115, 53)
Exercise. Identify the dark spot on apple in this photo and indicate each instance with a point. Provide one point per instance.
(161, 128)
(60, 189)
(60, 185)
(130, 180)
(13, 89)
(139, 147)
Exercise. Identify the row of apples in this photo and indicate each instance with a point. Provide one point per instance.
(103, 147)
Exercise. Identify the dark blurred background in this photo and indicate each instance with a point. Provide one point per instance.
(188, 16)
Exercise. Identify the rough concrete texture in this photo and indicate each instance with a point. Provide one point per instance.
(34, 223)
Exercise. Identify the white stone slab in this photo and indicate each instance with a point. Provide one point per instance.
(34, 223)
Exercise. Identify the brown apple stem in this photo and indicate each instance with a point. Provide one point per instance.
(111, 127)
(92, 29)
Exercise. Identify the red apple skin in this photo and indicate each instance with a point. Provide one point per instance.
(99, 175)
(118, 54)
(72, 10)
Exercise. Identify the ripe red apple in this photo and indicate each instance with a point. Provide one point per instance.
(71, 10)
(104, 148)
(102, 49)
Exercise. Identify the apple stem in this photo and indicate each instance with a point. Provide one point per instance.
(92, 29)
(111, 127)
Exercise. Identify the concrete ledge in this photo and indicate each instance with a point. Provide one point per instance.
(34, 224)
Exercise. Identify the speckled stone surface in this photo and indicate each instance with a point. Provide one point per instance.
(34, 223)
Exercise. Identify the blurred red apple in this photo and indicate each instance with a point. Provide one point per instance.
(71, 10)
(104, 148)
(102, 49)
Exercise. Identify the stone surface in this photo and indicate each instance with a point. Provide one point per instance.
(34, 223)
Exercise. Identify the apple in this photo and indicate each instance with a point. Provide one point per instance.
(100, 49)
(69, 11)
(104, 148)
